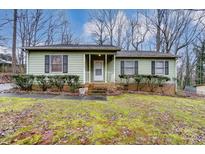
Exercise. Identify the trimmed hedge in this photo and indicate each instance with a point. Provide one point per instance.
(43, 82)
(73, 82)
(151, 80)
(25, 82)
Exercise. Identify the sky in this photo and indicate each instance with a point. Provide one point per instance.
(77, 17)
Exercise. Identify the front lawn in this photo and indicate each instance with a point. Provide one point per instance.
(125, 119)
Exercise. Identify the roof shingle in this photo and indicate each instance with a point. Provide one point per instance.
(75, 47)
(144, 54)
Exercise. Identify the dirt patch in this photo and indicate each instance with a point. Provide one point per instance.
(47, 137)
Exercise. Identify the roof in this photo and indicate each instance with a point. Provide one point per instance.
(76, 47)
(92, 47)
(144, 54)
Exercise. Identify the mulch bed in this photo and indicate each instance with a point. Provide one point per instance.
(18, 91)
(109, 93)
(5, 78)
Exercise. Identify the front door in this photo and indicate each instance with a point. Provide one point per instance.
(98, 70)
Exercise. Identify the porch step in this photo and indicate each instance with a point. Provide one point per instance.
(97, 89)
(97, 92)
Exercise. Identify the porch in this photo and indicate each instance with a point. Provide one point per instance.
(99, 68)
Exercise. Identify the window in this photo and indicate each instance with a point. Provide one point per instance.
(129, 67)
(160, 67)
(56, 63)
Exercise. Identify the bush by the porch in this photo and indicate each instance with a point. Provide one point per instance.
(73, 82)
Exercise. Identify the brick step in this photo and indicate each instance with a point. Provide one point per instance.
(97, 92)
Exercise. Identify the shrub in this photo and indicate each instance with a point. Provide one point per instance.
(25, 82)
(151, 80)
(138, 80)
(43, 82)
(126, 78)
(57, 81)
(73, 82)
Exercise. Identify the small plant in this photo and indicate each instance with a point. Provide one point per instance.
(138, 80)
(25, 82)
(161, 81)
(73, 82)
(126, 78)
(57, 81)
(43, 82)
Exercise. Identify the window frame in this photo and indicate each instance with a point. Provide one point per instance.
(133, 61)
(159, 67)
(61, 63)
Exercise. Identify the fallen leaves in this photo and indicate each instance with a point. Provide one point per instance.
(125, 119)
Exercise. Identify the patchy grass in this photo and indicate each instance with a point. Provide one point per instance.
(125, 119)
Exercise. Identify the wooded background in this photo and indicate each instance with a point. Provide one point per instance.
(180, 32)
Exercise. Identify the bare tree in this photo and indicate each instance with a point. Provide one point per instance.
(14, 41)
(120, 29)
(110, 22)
(127, 38)
(30, 29)
(158, 24)
(65, 34)
(31, 24)
(177, 24)
(97, 20)
(139, 31)
(51, 30)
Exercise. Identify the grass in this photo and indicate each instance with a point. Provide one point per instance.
(125, 119)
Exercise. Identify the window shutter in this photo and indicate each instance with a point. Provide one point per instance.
(47, 63)
(122, 67)
(166, 67)
(136, 67)
(65, 64)
(153, 67)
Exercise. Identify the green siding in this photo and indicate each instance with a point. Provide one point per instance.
(144, 66)
(75, 63)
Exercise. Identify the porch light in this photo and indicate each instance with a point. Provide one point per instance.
(99, 55)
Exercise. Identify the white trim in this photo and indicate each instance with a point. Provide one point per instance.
(114, 68)
(84, 70)
(105, 68)
(27, 63)
(94, 70)
(89, 67)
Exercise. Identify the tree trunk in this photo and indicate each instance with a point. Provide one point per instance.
(14, 41)
(158, 31)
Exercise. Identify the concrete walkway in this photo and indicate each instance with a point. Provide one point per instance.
(49, 96)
